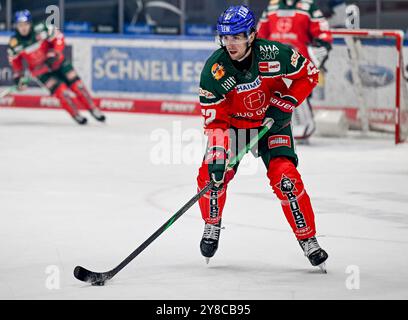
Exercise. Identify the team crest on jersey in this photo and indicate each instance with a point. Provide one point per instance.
(217, 71)
(255, 100)
(284, 24)
(13, 42)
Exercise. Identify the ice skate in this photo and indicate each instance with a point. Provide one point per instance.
(80, 119)
(97, 114)
(209, 241)
(316, 255)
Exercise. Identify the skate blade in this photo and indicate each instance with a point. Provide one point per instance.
(207, 260)
(322, 267)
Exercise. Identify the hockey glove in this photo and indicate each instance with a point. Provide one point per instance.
(54, 59)
(279, 113)
(321, 43)
(321, 51)
(216, 159)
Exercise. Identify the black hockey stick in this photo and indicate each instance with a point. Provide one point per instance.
(99, 278)
(14, 87)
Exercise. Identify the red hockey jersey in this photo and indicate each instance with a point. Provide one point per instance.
(233, 98)
(296, 25)
(33, 49)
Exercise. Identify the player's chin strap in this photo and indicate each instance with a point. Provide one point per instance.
(249, 46)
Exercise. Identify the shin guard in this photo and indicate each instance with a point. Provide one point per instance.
(212, 203)
(287, 184)
(67, 101)
(83, 95)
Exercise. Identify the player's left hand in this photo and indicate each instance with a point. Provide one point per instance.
(318, 43)
(277, 117)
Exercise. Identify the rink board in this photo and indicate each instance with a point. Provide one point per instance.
(161, 75)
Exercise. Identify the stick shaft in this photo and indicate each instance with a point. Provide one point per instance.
(189, 204)
(178, 214)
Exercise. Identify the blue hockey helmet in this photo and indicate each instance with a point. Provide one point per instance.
(235, 20)
(23, 16)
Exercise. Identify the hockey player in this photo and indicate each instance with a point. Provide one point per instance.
(297, 23)
(41, 47)
(334, 11)
(241, 88)
(301, 25)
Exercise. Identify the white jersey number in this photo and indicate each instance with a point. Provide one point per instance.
(209, 115)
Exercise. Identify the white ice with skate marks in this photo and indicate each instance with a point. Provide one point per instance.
(90, 195)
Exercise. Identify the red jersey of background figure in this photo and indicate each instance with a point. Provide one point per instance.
(296, 25)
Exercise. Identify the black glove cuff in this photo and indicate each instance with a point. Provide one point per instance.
(321, 43)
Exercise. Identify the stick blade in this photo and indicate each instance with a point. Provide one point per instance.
(85, 275)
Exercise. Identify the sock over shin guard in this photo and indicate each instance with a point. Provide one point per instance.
(212, 203)
(67, 101)
(82, 94)
(287, 184)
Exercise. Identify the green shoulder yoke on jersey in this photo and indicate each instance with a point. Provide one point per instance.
(40, 32)
(217, 78)
(277, 59)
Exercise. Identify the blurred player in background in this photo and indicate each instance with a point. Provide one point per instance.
(41, 47)
(334, 11)
(301, 25)
(241, 89)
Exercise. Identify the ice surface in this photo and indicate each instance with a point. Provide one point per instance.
(89, 196)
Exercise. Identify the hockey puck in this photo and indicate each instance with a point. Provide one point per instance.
(98, 283)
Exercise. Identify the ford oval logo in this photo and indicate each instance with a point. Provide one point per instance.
(373, 76)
